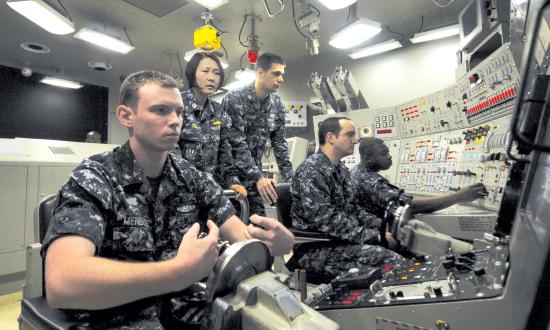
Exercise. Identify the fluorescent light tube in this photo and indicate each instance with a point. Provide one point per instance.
(376, 49)
(337, 4)
(43, 15)
(212, 4)
(61, 83)
(355, 33)
(103, 40)
(190, 53)
(440, 33)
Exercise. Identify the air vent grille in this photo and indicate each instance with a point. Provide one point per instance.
(61, 150)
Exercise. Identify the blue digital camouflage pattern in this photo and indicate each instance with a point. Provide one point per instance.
(323, 202)
(203, 141)
(374, 192)
(253, 123)
(109, 200)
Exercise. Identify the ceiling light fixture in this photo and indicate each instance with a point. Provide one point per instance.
(376, 49)
(236, 84)
(212, 4)
(43, 15)
(247, 75)
(61, 82)
(190, 53)
(355, 33)
(103, 40)
(337, 4)
(440, 33)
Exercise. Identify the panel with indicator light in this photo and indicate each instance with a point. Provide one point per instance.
(429, 279)
(443, 163)
(452, 138)
(385, 124)
(485, 94)
(295, 114)
(489, 90)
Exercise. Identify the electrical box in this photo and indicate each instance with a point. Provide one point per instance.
(296, 114)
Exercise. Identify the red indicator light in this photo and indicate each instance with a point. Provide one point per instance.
(252, 56)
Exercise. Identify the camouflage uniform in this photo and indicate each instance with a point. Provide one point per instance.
(323, 202)
(253, 122)
(374, 192)
(109, 200)
(203, 140)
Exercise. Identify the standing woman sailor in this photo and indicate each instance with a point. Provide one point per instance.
(203, 141)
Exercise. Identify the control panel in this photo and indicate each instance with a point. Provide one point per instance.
(488, 90)
(444, 163)
(472, 274)
(486, 93)
(296, 114)
(385, 124)
(452, 138)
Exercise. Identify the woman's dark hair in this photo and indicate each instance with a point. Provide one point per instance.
(191, 68)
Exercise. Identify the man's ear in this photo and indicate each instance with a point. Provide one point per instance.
(125, 115)
(330, 138)
(259, 71)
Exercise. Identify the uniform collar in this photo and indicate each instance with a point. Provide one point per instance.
(336, 167)
(131, 173)
(250, 92)
(189, 99)
(363, 167)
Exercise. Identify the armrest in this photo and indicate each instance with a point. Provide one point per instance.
(418, 237)
(37, 314)
(33, 275)
(301, 236)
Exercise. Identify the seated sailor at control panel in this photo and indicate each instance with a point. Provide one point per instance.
(322, 201)
(374, 192)
(126, 225)
(204, 141)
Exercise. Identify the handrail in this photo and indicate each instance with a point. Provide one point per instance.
(243, 203)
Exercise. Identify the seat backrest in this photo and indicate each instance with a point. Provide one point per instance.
(284, 201)
(45, 212)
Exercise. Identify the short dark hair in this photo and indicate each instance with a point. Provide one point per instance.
(266, 59)
(367, 144)
(368, 150)
(131, 85)
(191, 68)
(329, 125)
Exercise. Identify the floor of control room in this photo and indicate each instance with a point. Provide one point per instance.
(10, 308)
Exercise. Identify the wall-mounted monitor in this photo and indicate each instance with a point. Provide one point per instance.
(476, 21)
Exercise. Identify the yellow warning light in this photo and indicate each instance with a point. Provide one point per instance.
(207, 38)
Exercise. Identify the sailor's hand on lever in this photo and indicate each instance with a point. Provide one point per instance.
(277, 237)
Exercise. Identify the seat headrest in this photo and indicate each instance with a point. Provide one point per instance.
(284, 202)
(45, 212)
